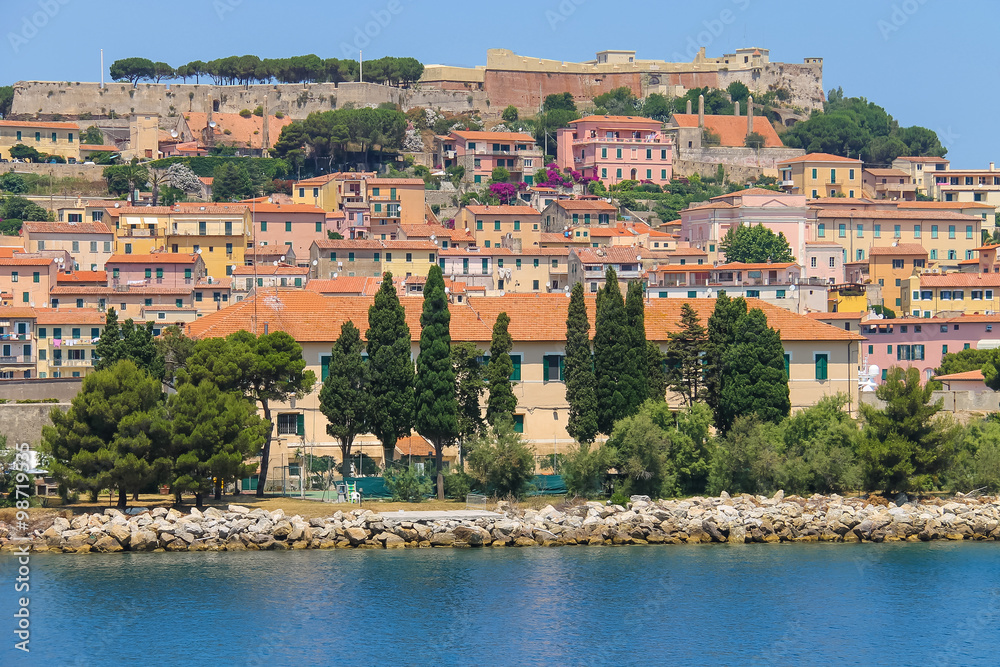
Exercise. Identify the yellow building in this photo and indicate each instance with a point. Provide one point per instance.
(502, 226)
(395, 201)
(821, 175)
(889, 266)
(532, 270)
(822, 360)
(951, 294)
(67, 340)
(319, 191)
(48, 138)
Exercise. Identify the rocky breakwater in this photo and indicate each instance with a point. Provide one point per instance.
(740, 519)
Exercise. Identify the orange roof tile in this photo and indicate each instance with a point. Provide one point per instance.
(242, 131)
(732, 130)
(960, 280)
(885, 172)
(820, 157)
(584, 205)
(155, 258)
(82, 277)
(65, 228)
(899, 249)
(967, 375)
(360, 285)
(396, 181)
(26, 261)
(68, 316)
(943, 204)
(837, 316)
(494, 136)
(271, 270)
(413, 445)
(923, 159)
(47, 126)
(615, 254)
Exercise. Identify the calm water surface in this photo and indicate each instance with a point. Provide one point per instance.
(810, 604)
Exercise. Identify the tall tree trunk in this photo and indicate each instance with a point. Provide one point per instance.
(218, 488)
(135, 496)
(122, 497)
(199, 500)
(345, 458)
(265, 453)
(439, 461)
(388, 453)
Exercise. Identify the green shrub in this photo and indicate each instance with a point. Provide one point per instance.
(584, 469)
(619, 498)
(407, 485)
(246, 113)
(458, 485)
(501, 462)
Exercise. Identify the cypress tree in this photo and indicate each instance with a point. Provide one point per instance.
(636, 377)
(502, 402)
(345, 397)
(390, 369)
(753, 373)
(611, 341)
(435, 404)
(581, 386)
(109, 345)
(684, 358)
(720, 338)
(656, 376)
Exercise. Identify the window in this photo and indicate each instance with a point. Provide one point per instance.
(79, 303)
(821, 230)
(753, 293)
(944, 349)
(128, 248)
(263, 225)
(496, 225)
(814, 173)
(778, 294)
(618, 154)
(618, 172)
(812, 262)
(534, 285)
(822, 361)
(13, 276)
(934, 253)
(944, 328)
(850, 175)
(288, 226)
(861, 230)
(180, 303)
(149, 273)
(934, 231)
(860, 255)
(833, 262)
(291, 423)
(897, 231)
(517, 225)
(898, 263)
(518, 423)
(159, 272)
(515, 375)
(968, 231)
(350, 257)
(553, 367)
(951, 231)
(842, 230)
(604, 153)
(833, 175)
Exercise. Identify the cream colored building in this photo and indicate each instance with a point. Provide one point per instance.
(61, 139)
(90, 243)
(821, 175)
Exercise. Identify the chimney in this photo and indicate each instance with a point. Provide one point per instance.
(736, 108)
(750, 114)
(991, 166)
(701, 112)
(688, 107)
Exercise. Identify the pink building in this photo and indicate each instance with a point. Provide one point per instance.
(480, 152)
(616, 148)
(161, 269)
(296, 225)
(922, 342)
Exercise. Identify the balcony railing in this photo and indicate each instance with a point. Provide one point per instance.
(621, 140)
(788, 183)
(17, 359)
(18, 336)
(73, 362)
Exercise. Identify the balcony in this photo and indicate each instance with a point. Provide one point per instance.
(17, 359)
(141, 233)
(789, 183)
(73, 362)
(13, 336)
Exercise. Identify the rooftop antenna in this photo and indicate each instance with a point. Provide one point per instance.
(102, 68)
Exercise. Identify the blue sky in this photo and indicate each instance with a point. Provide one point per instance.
(928, 62)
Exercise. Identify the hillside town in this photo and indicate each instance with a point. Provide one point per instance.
(517, 182)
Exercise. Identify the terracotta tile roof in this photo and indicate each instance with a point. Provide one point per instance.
(98, 147)
(943, 204)
(225, 282)
(409, 244)
(688, 252)
(68, 316)
(395, 181)
(474, 252)
(168, 307)
(65, 228)
(617, 230)
(360, 285)
(750, 191)
(26, 261)
(837, 316)
(742, 266)
(960, 280)
(849, 201)
(885, 172)
(820, 157)
(554, 237)
(155, 258)
(82, 277)
(413, 445)
(315, 180)
(502, 210)
(22, 312)
(544, 252)
(967, 375)
(969, 262)
(69, 290)
(47, 126)
(348, 244)
(899, 249)
(265, 251)
(584, 205)
(271, 270)
(732, 130)
(911, 214)
(923, 159)
(978, 318)
(469, 135)
(243, 131)
(615, 254)
(618, 119)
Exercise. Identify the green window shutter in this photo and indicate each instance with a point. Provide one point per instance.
(95, 332)
(324, 365)
(518, 423)
(562, 368)
(515, 375)
(300, 424)
(788, 364)
(821, 366)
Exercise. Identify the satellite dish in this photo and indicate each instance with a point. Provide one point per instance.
(117, 205)
(270, 200)
(315, 262)
(638, 258)
(282, 258)
(874, 370)
(335, 275)
(566, 289)
(199, 251)
(433, 237)
(447, 290)
(453, 277)
(262, 244)
(173, 133)
(276, 262)
(502, 292)
(211, 123)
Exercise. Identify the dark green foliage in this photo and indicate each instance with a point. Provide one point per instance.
(584, 468)
(23, 209)
(887, 313)
(754, 140)
(976, 464)
(345, 399)
(618, 102)
(125, 178)
(581, 384)
(128, 340)
(92, 135)
(212, 433)
(611, 340)
(509, 114)
(547, 123)
(132, 69)
(265, 369)
(205, 165)
(501, 462)
(738, 92)
(329, 134)
(407, 484)
(661, 453)
(967, 360)
(559, 102)
(435, 405)
(470, 383)
(744, 460)
(6, 99)
(635, 381)
(13, 183)
(231, 182)
(685, 356)
(23, 152)
(721, 336)
(501, 402)
(755, 244)
(174, 348)
(458, 485)
(656, 375)
(753, 373)
(817, 450)
(499, 175)
(904, 445)
(113, 436)
(390, 368)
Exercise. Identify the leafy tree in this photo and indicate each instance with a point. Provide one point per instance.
(132, 69)
(435, 405)
(13, 183)
(6, 99)
(501, 461)
(817, 450)
(547, 123)
(231, 182)
(559, 102)
(19, 208)
(125, 178)
(976, 463)
(755, 244)
(23, 152)
(884, 311)
(92, 135)
(500, 175)
(113, 435)
(407, 484)
(636, 381)
(755, 140)
(181, 176)
(738, 91)
(345, 399)
(904, 445)
(265, 369)
(581, 385)
(655, 371)
(390, 368)
(585, 466)
(611, 340)
(501, 402)
(721, 336)
(618, 102)
(966, 360)
(174, 348)
(509, 114)
(685, 356)
(470, 383)
(753, 373)
(744, 460)
(128, 340)
(656, 106)
(212, 433)
(710, 138)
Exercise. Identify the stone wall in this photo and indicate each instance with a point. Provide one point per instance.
(735, 173)
(765, 158)
(956, 402)
(40, 388)
(295, 100)
(90, 172)
(23, 423)
(527, 90)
